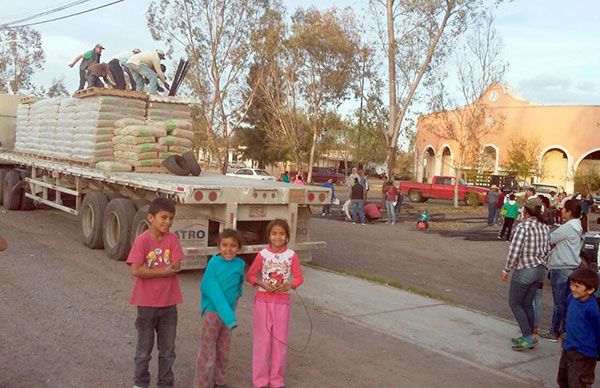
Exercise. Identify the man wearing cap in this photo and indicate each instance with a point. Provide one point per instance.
(142, 65)
(88, 57)
(118, 68)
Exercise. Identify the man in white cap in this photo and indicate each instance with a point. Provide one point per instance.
(118, 66)
(142, 64)
(88, 58)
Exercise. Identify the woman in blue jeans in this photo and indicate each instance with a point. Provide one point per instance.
(527, 256)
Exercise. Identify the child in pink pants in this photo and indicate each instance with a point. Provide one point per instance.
(275, 271)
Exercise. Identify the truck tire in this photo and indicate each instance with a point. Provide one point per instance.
(140, 222)
(415, 196)
(91, 214)
(27, 203)
(3, 172)
(193, 165)
(11, 198)
(116, 225)
(177, 165)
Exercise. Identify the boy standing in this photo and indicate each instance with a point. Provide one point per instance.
(155, 261)
(580, 348)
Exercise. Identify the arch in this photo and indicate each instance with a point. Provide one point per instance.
(587, 160)
(585, 155)
(493, 158)
(429, 162)
(446, 160)
(555, 164)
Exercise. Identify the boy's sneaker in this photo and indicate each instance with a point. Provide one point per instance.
(550, 337)
(354, 223)
(499, 237)
(523, 343)
(516, 340)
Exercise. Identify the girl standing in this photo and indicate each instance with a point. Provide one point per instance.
(221, 288)
(275, 270)
(391, 195)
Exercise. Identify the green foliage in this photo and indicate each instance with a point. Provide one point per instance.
(587, 180)
(57, 88)
(21, 55)
(522, 160)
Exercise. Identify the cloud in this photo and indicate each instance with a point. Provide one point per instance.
(559, 90)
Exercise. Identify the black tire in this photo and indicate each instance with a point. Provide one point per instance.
(140, 203)
(27, 203)
(140, 222)
(91, 215)
(3, 172)
(193, 165)
(116, 225)
(11, 198)
(415, 196)
(177, 165)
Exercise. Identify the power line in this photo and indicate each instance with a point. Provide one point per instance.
(70, 15)
(47, 12)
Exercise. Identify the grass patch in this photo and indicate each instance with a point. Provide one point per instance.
(394, 283)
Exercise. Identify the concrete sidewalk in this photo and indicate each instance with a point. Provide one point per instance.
(478, 340)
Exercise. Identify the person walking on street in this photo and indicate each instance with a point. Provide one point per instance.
(391, 197)
(87, 58)
(327, 207)
(527, 256)
(510, 211)
(562, 262)
(147, 64)
(492, 204)
(357, 197)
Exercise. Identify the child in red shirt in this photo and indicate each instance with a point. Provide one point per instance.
(155, 261)
(275, 271)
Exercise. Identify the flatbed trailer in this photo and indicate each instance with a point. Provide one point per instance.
(112, 206)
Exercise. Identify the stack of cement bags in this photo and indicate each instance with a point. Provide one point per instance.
(67, 121)
(136, 143)
(96, 117)
(177, 120)
(23, 140)
(43, 120)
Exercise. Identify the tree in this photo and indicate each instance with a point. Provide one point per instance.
(21, 55)
(57, 88)
(216, 36)
(465, 126)
(418, 35)
(324, 48)
(522, 156)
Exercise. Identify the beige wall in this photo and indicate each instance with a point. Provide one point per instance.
(573, 131)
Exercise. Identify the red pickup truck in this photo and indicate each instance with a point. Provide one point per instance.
(442, 187)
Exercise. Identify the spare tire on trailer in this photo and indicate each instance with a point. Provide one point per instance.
(11, 198)
(177, 165)
(3, 172)
(193, 165)
(140, 222)
(26, 202)
(117, 223)
(91, 214)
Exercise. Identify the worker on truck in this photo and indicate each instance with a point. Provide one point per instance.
(88, 58)
(118, 68)
(97, 70)
(142, 65)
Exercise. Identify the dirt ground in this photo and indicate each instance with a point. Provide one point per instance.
(66, 322)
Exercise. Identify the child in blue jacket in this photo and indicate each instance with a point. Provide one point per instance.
(221, 288)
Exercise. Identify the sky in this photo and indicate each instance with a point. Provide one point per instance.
(551, 46)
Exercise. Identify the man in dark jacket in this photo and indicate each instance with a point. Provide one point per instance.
(357, 192)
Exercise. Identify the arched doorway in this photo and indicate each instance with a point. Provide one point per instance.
(489, 159)
(555, 167)
(585, 169)
(447, 161)
(428, 164)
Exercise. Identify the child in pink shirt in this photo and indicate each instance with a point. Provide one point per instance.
(155, 261)
(275, 271)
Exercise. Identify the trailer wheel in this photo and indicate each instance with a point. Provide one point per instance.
(3, 172)
(92, 210)
(140, 222)
(415, 196)
(26, 202)
(11, 198)
(117, 224)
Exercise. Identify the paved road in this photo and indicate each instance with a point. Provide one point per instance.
(66, 323)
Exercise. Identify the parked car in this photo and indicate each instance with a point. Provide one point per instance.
(322, 174)
(442, 187)
(253, 173)
(545, 189)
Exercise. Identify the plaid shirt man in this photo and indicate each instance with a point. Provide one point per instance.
(530, 245)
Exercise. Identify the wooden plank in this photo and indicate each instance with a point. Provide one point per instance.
(162, 170)
(90, 92)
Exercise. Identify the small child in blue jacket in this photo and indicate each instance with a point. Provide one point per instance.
(221, 288)
(580, 348)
